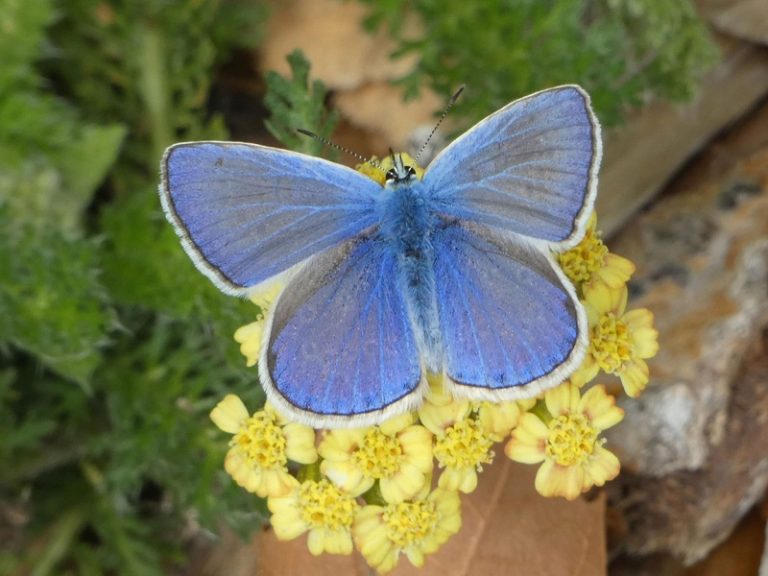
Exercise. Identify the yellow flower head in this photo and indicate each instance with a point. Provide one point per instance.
(320, 508)
(567, 441)
(261, 446)
(462, 442)
(397, 453)
(461, 450)
(590, 262)
(377, 170)
(619, 342)
(413, 528)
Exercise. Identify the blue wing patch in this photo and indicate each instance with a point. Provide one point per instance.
(511, 323)
(341, 342)
(246, 213)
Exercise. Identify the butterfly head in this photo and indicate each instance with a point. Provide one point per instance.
(400, 173)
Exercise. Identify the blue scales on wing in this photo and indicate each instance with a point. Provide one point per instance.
(341, 342)
(510, 321)
(530, 168)
(246, 213)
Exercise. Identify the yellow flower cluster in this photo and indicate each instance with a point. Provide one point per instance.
(394, 489)
(619, 341)
(372, 486)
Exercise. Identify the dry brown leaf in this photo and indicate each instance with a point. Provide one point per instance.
(745, 19)
(379, 108)
(507, 529)
(330, 34)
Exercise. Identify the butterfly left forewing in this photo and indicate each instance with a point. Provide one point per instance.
(246, 213)
(510, 321)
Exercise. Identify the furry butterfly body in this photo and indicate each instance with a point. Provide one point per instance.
(452, 273)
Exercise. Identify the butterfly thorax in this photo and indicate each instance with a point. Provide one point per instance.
(407, 224)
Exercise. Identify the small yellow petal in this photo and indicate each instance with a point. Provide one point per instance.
(275, 483)
(645, 343)
(600, 407)
(266, 294)
(616, 270)
(562, 400)
(602, 466)
(394, 425)
(229, 414)
(555, 480)
(416, 557)
(462, 479)
(599, 300)
(339, 444)
(237, 467)
(404, 484)
(416, 442)
(300, 443)
(339, 542)
(585, 373)
(249, 337)
(346, 476)
(436, 418)
(634, 377)
(530, 430)
(525, 453)
(375, 540)
(288, 526)
(498, 419)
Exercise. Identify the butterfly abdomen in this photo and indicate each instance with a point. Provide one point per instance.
(406, 227)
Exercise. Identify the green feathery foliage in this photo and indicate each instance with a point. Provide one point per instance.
(113, 348)
(295, 103)
(621, 51)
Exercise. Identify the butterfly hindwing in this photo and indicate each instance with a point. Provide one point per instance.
(529, 168)
(511, 323)
(246, 213)
(340, 344)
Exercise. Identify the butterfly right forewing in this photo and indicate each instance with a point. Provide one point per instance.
(529, 168)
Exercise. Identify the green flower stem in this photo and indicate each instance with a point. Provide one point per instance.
(540, 410)
(154, 90)
(309, 472)
(59, 541)
(374, 496)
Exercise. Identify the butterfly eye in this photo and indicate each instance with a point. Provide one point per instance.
(394, 176)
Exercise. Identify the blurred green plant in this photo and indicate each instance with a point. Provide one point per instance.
(621, 51)
(295, 103)
(113, 348)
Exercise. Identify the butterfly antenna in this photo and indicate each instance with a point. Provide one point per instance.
(339, 147)
(451, 102)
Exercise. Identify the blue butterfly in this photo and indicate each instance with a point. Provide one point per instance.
(451, 274)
